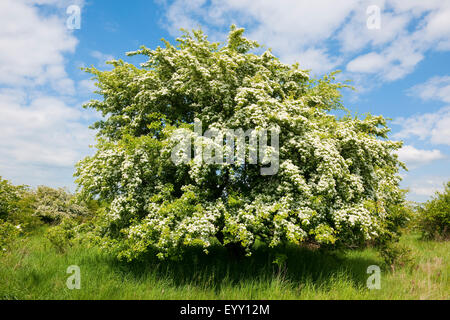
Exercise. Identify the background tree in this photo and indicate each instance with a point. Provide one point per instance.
(433, 217)
(337, 177)
(54, 205)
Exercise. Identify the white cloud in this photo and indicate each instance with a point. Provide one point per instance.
(294, 23)
(404, 48)
(438, 24)
(32, 47)
(291, 27)
(369, 63)
(41, 130)
(56, 3)
(427, 186)
(415, 157)
(432, 126)
(42, 135)
(308, 31)
(436, 88)
(317, 60)
(392, 63)
(416, 7)
(354, 36)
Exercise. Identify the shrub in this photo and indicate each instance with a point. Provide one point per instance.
(399, 218)
(54, 205)
(73, 231)
(337, 177)
(396, 255)
(393, 253)
(434, 216)
(61, 236)
(8, 233)
(29, 208)
(17, 205)
(9, 198)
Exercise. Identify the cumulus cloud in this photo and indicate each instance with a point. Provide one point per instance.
(436, 88)
(408, 31)
(392, 63)
(43, 132)
(416, 157)
(427, 186)
(434, 127)
(42, 136)
(290, 27)
(353, 38)
(310, 31)
(369, 63)
(32, 46)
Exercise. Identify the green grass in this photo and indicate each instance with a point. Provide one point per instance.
(33, 269)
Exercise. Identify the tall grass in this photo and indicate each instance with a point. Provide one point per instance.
(35, 270)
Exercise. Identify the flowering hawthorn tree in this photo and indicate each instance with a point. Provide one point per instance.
(337, 176)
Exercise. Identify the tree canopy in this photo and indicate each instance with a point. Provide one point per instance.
(337, 175)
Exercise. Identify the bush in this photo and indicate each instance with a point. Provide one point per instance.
(17, 205)
(8, 233)
(399, 218)
(73, 231)
(396, 255)
(21, 206)
(9, 198)
(54, 205)
(61, 236)
(434, 216)
(24, 215)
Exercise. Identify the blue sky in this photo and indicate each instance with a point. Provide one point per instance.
(399, 61)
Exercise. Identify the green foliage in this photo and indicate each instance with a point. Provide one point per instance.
(9, 198)
(8, 233)
(280, 260)
(337, 179)
(61, 236)
(399, 219)
(20, 205)
(16, 206)
(434, 216)
(396, 255)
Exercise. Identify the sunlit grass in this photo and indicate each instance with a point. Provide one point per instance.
(35, 270)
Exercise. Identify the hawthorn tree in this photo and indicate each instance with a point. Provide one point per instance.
(337, 176)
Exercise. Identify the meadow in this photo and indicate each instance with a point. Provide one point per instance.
(34, 269)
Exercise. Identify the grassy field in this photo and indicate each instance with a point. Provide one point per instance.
(35, 270)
